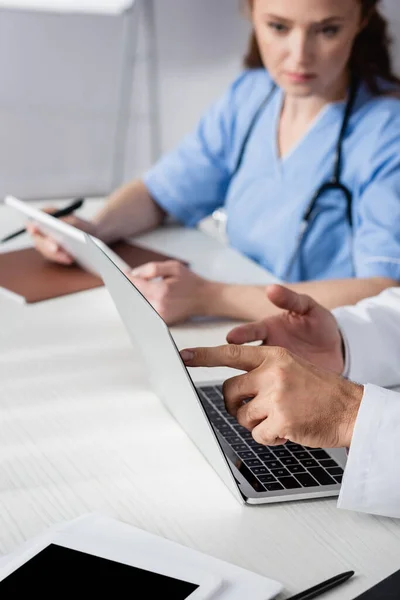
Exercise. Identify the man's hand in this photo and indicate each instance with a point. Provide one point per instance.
(305, 328)
(282, 397)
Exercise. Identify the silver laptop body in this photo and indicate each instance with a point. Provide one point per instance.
(254, 474)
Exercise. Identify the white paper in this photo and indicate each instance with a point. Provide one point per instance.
(98, 535)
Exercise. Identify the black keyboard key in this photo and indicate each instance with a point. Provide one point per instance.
(213, 416)
(259, 470)
(328, 463)
(237, 425)
(253, 462)
(322, 476)
(289, 461)
(232, 438)
(306, 480)
(338, 478)
(208, 389)
(265, 457)
(240, 447)
(213, 397)
(247, 435)
(281, 453)
(280, 473)
(319, 454)
(309, 462)
(296, 468)
(239, 429)
(335, 471)
(273, 487)
(223, 427)
(211, 391)
(217, 419)
(251, 442)
(294, 447)
(266, 478)
(289, 483)
(219, 403)
(246, 455)
(302, 455)
(229, 418)
(273, 464)
(210, 410)
(258, 449)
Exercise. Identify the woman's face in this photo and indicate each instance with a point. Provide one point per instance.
(306, 44)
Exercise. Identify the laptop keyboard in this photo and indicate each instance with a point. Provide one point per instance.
(274, 468)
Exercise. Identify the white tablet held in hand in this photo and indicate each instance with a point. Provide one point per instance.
(70, 238)
(69, 569)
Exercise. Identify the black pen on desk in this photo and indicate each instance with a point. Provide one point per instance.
(62, 212)
(323, 587)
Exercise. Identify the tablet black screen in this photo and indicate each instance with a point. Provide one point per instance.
(59, 571)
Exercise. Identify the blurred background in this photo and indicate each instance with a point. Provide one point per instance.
(93, 91)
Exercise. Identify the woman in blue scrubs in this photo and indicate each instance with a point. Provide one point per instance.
(302, 151)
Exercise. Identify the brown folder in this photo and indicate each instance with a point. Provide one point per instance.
(33, 278)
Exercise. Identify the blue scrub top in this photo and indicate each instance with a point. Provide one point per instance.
(266, 198)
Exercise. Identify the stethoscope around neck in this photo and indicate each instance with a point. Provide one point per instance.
(334, 183)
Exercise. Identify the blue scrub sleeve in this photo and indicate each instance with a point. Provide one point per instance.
(191, 182)
(377, 232)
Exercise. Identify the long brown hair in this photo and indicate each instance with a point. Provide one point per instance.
(370, 60)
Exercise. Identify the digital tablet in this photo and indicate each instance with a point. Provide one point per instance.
(51, 569)
(70, 238)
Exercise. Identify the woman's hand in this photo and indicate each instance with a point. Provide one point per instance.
(305, 328)
(282, 397)
(49, 247)
(172, 289)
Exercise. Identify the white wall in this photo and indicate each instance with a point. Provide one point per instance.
(199, 45)
(391, 9)
(59, 98)
(61, 77)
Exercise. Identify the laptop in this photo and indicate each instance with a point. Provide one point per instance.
(255, 474)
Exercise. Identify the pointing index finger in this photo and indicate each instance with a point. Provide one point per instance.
(244, 358)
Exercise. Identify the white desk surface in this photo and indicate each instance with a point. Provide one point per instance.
(96, 7)
(80, 430)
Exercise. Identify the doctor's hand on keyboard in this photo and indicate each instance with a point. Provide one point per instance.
(282, 397)
(304, 327)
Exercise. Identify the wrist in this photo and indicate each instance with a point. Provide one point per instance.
(207, 298)
(336, 358)
(352, 395)
(101, 231)
(233, 301)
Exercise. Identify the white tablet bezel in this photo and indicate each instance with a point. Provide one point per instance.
(70, 238)
(208, 583)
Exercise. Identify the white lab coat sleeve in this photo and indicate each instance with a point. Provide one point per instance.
(371, 481)
(371, 333)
